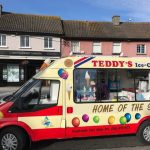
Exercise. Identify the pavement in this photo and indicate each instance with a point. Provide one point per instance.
(129, 148)
(4, 91)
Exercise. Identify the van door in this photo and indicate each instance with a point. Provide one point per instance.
(40, 108)
(78, 111)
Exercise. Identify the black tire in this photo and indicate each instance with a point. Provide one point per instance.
(143, 134)
(18, 136)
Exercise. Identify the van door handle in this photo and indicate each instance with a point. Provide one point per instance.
(69, 110)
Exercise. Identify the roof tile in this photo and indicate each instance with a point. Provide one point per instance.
(106, 30)
(30, 23)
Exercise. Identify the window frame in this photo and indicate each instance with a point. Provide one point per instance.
(100, 47)
(103, 102)
(48, 40)
(1, 40)
(75, 52)
(24, 41)
(114, 51)
(140, 49)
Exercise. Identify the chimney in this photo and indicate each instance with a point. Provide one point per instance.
(116, 20)
(1, 8)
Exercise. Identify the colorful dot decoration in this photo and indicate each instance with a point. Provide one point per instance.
(85, 118)
(128, 117)
(68, 63)
(123, 120)
(137, 116)
(76, 122)
(63, 73)
(96, 119)
(111, 120)
(1, 115)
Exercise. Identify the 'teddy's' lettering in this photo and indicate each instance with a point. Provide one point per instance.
(101, 63)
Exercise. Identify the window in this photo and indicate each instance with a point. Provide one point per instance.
(116, 47)
(141, 49)
(12, 73)
(5, 73)
(111, 85)
(22, 74)
(39, 93)
(75, 47)
(96, 47)
(126, 88)
(142, 84)
(24, 41)
(85, 81)
(47, 42)
(49, 92)
(2, 40)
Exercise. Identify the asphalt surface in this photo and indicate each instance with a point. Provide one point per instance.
(129, 142)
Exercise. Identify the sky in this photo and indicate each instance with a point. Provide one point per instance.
(90, 10)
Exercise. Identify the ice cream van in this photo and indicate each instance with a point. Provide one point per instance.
(79, 97)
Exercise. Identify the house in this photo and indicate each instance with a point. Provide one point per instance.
(128, 39)
(25, 41)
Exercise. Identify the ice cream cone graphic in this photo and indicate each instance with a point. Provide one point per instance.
(87, 78)
(87, 82)
(69, 89)
(69, 94)
(45, 64)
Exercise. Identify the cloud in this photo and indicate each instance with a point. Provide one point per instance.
(138, 10)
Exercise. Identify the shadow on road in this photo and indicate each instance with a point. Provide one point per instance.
(88, 143)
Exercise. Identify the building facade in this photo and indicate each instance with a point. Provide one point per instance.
(22, 55)
(106, 48)
(25, 42)
(128, 39)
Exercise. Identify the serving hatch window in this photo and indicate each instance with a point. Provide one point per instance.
(85, 81)
(111, 85)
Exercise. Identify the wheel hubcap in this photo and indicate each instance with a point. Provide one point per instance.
(9, 142)
(146, 133)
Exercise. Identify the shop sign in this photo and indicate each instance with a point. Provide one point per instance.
(28, 53)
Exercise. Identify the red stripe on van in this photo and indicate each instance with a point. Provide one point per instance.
(78, 61)
(86, 131)
(101, 130)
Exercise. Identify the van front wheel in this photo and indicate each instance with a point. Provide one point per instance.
(144, 133)
(12, 138)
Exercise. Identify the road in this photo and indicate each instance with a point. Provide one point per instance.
(129, 142)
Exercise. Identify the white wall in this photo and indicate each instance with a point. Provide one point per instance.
(36, 43)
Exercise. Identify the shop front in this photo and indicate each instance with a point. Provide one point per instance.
(18, 67)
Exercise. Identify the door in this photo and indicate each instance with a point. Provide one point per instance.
(40, 108)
